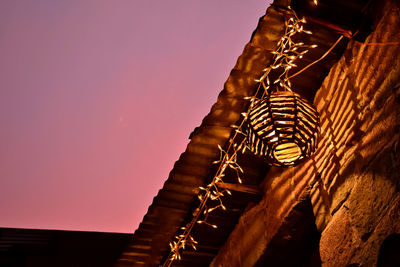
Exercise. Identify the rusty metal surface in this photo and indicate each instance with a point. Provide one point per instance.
(173, 205)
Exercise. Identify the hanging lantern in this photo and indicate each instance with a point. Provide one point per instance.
(283, 128)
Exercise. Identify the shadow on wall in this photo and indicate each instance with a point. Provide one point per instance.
(356, 124)
(339, 131)
(358, 157)
(356, 168)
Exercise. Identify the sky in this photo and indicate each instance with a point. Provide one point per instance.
(98, 98)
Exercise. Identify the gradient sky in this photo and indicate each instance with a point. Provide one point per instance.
(98, 98)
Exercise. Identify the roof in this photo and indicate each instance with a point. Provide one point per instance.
(174, 203)
(41, 248)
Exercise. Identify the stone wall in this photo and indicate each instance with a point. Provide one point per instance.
(353, 180)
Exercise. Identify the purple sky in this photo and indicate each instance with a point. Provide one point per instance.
(98, 98)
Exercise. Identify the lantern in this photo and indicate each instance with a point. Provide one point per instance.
(282, 128)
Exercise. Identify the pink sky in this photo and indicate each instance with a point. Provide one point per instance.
(98, 98)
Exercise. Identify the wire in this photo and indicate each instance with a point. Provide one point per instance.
(324, 55)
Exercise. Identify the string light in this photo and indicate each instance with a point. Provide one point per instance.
(210, 196)
(283, 127)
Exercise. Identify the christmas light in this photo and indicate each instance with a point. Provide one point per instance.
(210, 196)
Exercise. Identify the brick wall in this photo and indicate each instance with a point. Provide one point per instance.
(353, 179)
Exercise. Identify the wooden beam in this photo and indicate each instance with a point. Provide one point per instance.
(249, 189)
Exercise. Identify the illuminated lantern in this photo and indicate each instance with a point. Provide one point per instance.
(283, 128)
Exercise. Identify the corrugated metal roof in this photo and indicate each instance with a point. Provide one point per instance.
(173, 205)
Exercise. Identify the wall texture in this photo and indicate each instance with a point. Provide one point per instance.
(352, 182)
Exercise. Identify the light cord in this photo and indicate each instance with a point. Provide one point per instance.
(318, 60)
